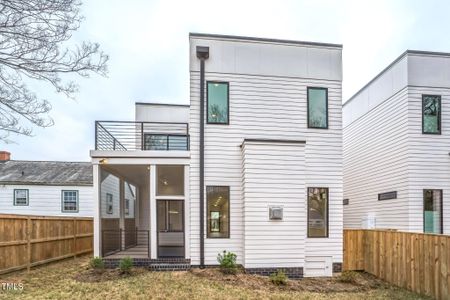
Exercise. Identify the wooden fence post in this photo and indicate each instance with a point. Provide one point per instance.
(28, 232)
(74, 238)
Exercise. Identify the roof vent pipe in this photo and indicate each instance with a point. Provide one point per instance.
(202, 55)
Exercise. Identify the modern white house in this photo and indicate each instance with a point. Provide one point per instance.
(45, 188)
(253, 165)
(397, 146)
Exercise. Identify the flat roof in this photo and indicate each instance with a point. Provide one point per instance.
(267, 40)
(162, 104)
(418, 52)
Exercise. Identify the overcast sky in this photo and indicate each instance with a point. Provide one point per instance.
(148, 46)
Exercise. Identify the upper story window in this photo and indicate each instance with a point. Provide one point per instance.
(109, 203)
(21, 197)
(70, 201)
(431, 114)
(218, 102)
(317, 107)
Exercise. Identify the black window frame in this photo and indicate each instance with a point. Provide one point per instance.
(28, 197)
(328, 213)
(346, 201)
(78, 201)
(307, 106)
(439, 115)
(207, 212)
(207, 102)
(441, 211)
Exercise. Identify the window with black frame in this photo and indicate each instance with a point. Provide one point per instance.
(432, 211)
(431, 114)
(317, 212)
(218, 102)
(317, 107)
(218, 199)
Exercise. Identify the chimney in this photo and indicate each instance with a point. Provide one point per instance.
(5, 155)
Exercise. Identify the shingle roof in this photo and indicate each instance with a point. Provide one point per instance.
(45, 172)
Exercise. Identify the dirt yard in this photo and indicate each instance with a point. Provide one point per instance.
(73, 279)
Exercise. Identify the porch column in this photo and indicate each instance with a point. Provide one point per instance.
(122, 210)
(153, 229)
(97, 217)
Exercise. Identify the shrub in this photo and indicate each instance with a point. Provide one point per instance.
(97, 263)
(278, 278)
(347, 277)
(125, 265)
(227, 262)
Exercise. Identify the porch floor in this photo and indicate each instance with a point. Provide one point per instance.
(139, 251)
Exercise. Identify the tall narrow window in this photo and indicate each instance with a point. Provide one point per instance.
(218, 102)
(317, 107)
(109, 203)
(70, 201)
(317, 212)
(431, 114)
(218, 198)
(21, 197)
(432, 211)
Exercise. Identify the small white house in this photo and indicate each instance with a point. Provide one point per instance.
(397, 146)
(253, 165)
(45, 188)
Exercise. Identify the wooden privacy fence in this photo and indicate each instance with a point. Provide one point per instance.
(415, 261)
(28, 241)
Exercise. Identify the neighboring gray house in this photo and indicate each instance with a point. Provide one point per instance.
(46, 188)
(397, 145)
(253, 165)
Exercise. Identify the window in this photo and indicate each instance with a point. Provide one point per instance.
(21, 197)
(218, 106)
(317, 212)
(218, 199)
(127, 207)
(346, 201)
(109, 203)
(165, 142)
(431, 114)
(70, 201)
(170, 180)
(432, 211)
(317, 107)
(387, 196)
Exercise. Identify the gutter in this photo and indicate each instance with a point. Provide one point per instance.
(202, 55)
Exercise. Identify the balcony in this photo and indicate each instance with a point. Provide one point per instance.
(130, 136)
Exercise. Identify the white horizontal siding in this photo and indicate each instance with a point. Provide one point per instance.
(45, 200)
(375, 161)
(429, 159)
(274, 243)
(268, 108)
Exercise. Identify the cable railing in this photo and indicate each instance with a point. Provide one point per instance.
(130, 135)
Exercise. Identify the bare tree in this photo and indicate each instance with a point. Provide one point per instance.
(34, 45)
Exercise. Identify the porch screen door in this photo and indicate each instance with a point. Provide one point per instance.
(170, 218)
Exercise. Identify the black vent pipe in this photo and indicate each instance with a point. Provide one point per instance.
(202, 54)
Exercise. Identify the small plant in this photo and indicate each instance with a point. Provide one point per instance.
(347, 277)
(227, 262)
(125, 265)
(97, 263)
(279, 278)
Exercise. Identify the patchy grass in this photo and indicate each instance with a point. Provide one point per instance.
(73, 279)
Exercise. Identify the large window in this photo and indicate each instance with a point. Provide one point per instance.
(317, 212)
(218, 198)
(431, 114)
(170, 180)
(21, 197)
(70, 201)
(218, 106)
(432, 211)
(317, 107)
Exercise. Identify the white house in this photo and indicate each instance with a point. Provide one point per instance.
(252, 166)
(46, 188)
(397, 145)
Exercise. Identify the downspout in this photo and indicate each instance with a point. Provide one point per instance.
(202, 54)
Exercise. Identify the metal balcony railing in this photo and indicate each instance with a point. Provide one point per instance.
(129, 135)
